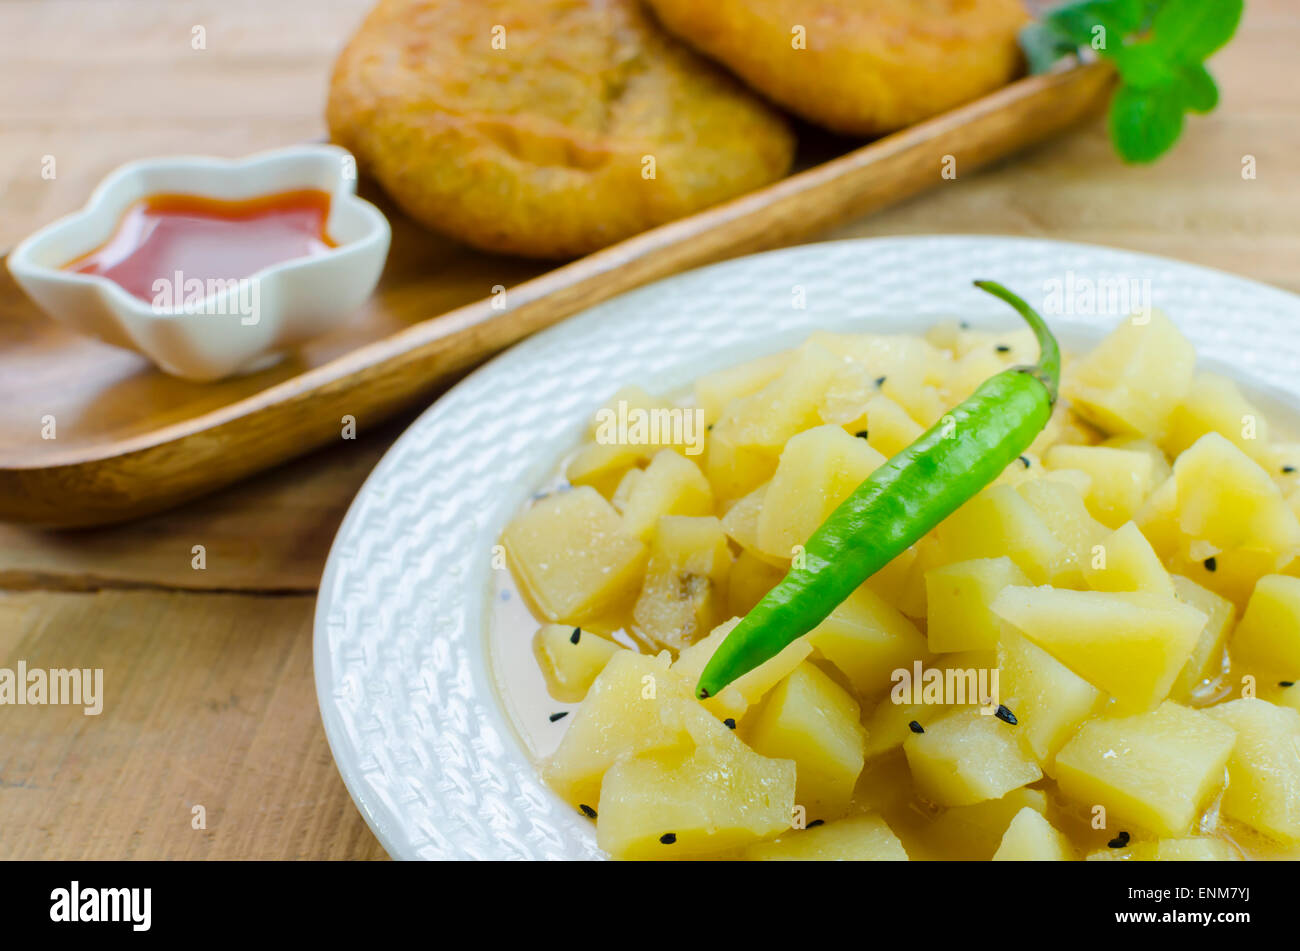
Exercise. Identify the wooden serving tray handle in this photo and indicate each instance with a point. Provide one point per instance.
(149, 471)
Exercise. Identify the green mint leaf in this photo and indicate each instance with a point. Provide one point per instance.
(1190, 30)
(1143, 65)
(1098, 24)
(1043, 47)
(1200, 94)
(1145, 123)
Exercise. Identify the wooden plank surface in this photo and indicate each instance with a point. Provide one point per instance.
(209, 693)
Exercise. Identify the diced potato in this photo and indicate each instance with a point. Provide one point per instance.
(1132, 381)
(571, 658)
(670, 485)
(715, 391)
(903, 356)
(1231, 574)
(1197, 848)
(1269, 632)
(734, 469)
(1130, 644)
(1157, 519)
(1048, 699)
(973, 833)
(1264, 768)
(1160, 467)
(572, 556)
(1076, 479)
(889, 429)
(958, 599)
(751, 578)
(675, 803)
(867, 640)
(788, 405)
(1227, 499)
(1127, 562)
(632, 397)
(1155, 770)
(970, 371)
(1027, 468)
(1059, 503)
(857, 839)
(635, 704)
(924, 403)
(847, 394)
(1288, 696)
(889, 724)
(685, 588)
(745, 691)
(1206, 661)
(1000, 522)
(812, 720)
(1121, 479)
(1009, 346)
(1214, 405)
(908, 595)
(1281, 460)
(967, 757)
(893, 580)
(818, 470)
(740, 522)
(603, 465)
(1135, 852)
(1031, 838)
(623, 491)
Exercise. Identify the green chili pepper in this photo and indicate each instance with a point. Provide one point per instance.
(898, 503)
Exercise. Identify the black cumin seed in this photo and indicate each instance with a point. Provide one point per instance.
(559, 716)
(709, 427)
(1211, 563)
(964, 325)
(1002, 348)
(861, 434)
(1286, 683)
(729, 723)
(916, 727)
(1025, 460)
(880, 380)
(815, 823)
(704, 695)
(577, 633)
(1287, 470)
(1005, 715)
(668, 838)
(1120, 841)
(587, 811)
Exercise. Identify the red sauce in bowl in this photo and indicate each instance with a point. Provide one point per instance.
(181, 238)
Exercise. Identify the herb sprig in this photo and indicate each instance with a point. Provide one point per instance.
(1158, 47)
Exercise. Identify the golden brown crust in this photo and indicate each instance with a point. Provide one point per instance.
(539, 148)
(867, 66)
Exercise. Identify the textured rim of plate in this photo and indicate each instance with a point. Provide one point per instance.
(402, 678)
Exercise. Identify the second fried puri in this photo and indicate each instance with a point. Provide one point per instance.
(545, 128)
(859, 67)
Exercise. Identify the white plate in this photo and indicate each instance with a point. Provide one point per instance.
(402, 677)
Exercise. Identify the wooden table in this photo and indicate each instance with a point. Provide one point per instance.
(208, 674)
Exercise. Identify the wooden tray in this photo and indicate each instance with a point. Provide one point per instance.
(130, 440)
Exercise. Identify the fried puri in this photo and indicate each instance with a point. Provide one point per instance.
(546, 128)
(860, 67)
